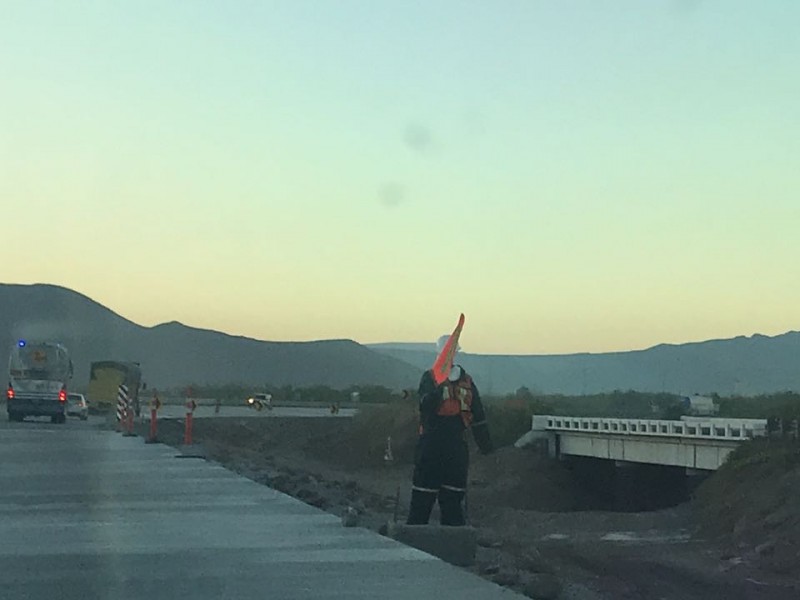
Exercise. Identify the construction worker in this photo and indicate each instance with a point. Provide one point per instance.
(441, 458)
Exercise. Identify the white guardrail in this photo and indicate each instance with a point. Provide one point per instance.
(688, 427)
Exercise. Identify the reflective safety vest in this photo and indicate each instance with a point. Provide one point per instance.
(457, 400)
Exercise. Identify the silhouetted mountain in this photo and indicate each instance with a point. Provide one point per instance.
(173, 354)
(742, 365)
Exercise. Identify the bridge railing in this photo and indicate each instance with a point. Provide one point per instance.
(690, 427)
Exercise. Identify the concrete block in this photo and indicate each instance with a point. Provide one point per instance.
(543, 586)
(455, 545)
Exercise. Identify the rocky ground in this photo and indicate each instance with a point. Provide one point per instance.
(533, 537)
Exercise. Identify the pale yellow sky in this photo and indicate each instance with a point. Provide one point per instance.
(572, 176)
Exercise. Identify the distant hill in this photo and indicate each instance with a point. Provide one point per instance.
(742, 365)
(173, 354)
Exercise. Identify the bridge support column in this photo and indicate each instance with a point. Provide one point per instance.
(625, 487)
(553, 445)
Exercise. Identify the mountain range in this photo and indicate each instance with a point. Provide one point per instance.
(745, 366)
(173, 354)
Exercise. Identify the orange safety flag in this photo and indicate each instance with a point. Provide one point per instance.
(444, 362)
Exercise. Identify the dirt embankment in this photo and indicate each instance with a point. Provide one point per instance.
(752, 504)
(524, 506)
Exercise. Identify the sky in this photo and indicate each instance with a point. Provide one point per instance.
(574, 176)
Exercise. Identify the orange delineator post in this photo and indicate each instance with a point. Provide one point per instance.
(153, 424)
(187, 432)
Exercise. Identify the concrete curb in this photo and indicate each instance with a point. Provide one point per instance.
(193, 451)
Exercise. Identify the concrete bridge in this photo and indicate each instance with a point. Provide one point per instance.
(696, 443)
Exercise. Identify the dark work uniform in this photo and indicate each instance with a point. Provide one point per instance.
(441, 459)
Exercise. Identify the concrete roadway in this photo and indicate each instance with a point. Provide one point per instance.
(87, 513)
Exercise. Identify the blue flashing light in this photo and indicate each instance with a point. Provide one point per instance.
(21, 343)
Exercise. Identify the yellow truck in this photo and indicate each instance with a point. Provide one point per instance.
(105, 377)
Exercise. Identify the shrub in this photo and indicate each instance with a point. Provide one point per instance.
(373, 424)
(510, 418)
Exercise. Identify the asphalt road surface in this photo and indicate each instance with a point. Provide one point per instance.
(87, 513)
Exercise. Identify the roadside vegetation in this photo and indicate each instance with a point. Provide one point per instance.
(783, 405)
